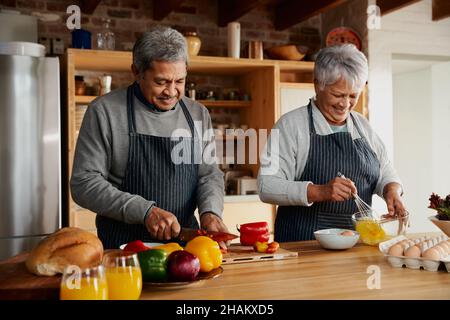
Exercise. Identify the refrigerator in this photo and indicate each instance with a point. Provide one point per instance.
(30, 147)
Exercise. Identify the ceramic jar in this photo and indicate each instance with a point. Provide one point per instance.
(193, 43)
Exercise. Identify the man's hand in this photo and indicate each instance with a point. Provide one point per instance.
(211, 222)
(338, 189)
(392, 195)
(162, 224)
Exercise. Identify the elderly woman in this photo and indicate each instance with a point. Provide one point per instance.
(312, 144)
(124, 168)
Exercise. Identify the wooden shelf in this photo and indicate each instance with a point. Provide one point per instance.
(207, 103)
(225, 103)
(296, 85)
(84, 99)
(110, 61)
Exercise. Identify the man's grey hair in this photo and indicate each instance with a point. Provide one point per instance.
(341, 61)
(159, 44)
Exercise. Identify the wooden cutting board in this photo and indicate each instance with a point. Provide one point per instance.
(17, 283)
(246, 254)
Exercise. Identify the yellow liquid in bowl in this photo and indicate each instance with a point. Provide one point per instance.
(124, 283)
(370, 231)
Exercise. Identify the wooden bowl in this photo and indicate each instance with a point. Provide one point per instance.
(286, 52)
(444, 225)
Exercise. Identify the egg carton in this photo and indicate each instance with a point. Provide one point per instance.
(411, 263)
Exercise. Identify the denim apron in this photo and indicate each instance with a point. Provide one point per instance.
(152, 174)
(328, 155)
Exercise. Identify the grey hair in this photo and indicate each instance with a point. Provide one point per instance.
(341, 61)
(159, 44)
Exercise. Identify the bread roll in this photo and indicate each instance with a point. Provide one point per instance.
(68, 246)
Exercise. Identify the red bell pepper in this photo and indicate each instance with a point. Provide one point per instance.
(252, 232)
(136, 246)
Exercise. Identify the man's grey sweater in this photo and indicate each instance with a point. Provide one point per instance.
(101, 156)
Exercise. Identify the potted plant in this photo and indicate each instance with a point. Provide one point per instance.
(442, 218)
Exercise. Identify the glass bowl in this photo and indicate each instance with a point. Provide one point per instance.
(373, 231)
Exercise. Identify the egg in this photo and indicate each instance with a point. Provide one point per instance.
(445, 244)
(424, 246)
(432, 254)
(444, 248)
(396, 250)
(405, 244)
(347, 233)
(413, 252)
(441, 250)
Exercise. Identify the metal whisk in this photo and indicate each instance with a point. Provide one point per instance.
(365, 210)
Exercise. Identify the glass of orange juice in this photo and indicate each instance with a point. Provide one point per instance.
(84, 284)
(123, 274)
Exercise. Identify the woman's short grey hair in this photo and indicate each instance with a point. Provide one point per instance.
(341, 61)
(159, 44)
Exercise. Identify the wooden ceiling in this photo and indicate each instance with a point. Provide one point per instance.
(287, 13)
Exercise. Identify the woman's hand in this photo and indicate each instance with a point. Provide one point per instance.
(211, 222)
(392, 195)
(338, 189)
(162, 224)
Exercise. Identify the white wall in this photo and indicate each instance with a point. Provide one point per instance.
(441, 127)
(413, 117)
(407, 31)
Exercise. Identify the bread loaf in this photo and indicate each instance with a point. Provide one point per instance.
(68, 246)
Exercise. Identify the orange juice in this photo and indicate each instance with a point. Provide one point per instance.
(89, 289)
(370, 231)
(124, 283)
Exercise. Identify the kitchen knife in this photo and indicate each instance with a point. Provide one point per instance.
(187, 234)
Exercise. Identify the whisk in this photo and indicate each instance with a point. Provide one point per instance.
(365, 209)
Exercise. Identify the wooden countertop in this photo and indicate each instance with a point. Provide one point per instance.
(316, 274)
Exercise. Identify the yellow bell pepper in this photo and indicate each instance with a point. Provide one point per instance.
(169, 247)
(207, 251)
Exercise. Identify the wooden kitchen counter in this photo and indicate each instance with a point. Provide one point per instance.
(316, 274)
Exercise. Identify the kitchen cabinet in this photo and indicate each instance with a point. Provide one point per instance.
(294, 95)
(261, 79)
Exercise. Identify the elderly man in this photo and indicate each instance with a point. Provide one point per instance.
(321, 140)
(125, 169)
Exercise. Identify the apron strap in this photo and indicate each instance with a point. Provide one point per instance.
(312, 129)
(191, 126)
(130, 111)
(355, 124)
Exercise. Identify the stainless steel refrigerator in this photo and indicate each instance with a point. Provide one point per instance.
(30, 146)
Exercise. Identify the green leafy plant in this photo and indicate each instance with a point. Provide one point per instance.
(442, 206)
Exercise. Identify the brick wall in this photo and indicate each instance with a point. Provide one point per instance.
(350, 14)
(129, 18)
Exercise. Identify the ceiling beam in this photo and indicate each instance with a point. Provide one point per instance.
(162, 8)
(440, 9)
(232, 10)
(292, 12)
(388, 6)
(88, 6)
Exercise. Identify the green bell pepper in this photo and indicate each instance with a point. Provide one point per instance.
(153, 265)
